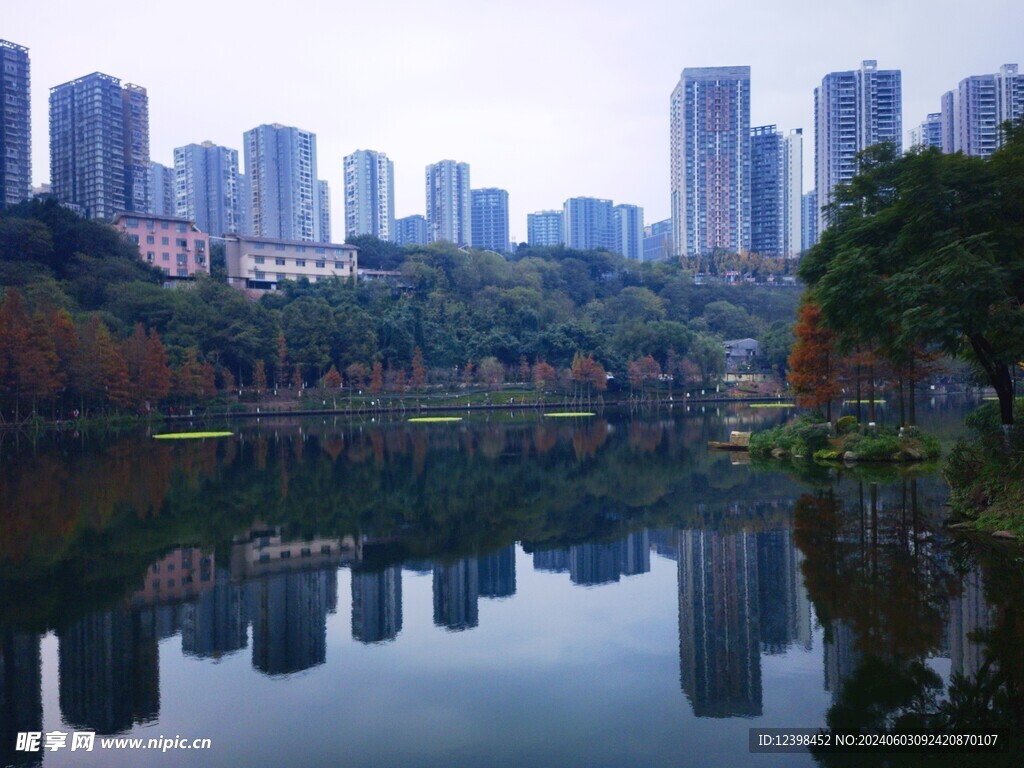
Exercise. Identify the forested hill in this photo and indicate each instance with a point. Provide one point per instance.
(455, 306)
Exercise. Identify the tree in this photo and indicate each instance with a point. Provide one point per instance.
(812, 363)
(356, 374)
(708, 356)
(377, 378)
(925, 249)
(544, 376)
(155, 381)
(332, 379)
(37, 367)
(419, 373)
(490, 373)
(259, 378)
(281, 364)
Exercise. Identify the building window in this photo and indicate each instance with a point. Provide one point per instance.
(166, 257)
(150, 256)
(165, 225)
(258, 259)
(278, 246)
(181, 242)
(200, 245)
(279, 262)
(258, 246)
(319, 250)
(182, 273)
(300, 249)
(131, 222)
(300, 262)
(182, 259)
(165, 241)
(261, 275)
(180, 227)
(135, 239)
(281, 277)
(150, 225)
(321, 265)
(150, 240)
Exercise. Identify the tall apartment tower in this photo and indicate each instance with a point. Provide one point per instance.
(973, 115)
(776, 184)
(280, 163)
(161, 190)
(628, 231)
(809, 221)
(244, 205)
(588, 223)
(206, 187)
(928, 133)
(135, 110)
(99, 145)
(449, 208)
(853, 110)
(490, 219)
(15, 125)
(710, 160)
(324, 192)
(544, 228)
(411, 230)
(369, 195)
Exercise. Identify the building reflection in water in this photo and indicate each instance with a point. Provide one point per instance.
(109, 671)
(215, 624)
(456, 593)
(551, 560)
(21, 703)
(970, 615)
(376, 605)
(497, 573)
(719, 627)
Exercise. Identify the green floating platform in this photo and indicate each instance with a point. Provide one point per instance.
(773, 405)
(190, 435)
(434, 419)
(569, 415)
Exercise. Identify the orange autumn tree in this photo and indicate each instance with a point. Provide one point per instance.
(813, 361)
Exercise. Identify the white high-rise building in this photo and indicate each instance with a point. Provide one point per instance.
(972, 116)
(449, 203)
(792, 193)
(206, 187)
(369, 195)
(280, 163)
(628, 225)
(324, 194)
(853, 110)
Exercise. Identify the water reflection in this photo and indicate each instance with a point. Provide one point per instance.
(276, 522)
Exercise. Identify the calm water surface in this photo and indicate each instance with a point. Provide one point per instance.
(506, 591)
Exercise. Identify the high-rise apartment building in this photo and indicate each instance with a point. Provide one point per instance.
(206, 187)
(776, 183)
(15, 125)
(324, 193)
(928, 133)
(369, 195)
(853, 110)
(588, 223)
(449, 215)
(411, 230)
(973, 115)
(244, 205)
(658, 241)
(628, 231)
(280, 163)
(544, 228)
(809, 221)
(99, 145)
(135, 121)
(490, 219)
(161, 190)
(710, 160)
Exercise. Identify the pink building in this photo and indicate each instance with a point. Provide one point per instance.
(176, 246)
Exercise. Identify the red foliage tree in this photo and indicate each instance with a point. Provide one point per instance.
(419, 373)
(377, 378)
(813, 361)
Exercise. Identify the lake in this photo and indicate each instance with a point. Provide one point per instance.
(507, 590)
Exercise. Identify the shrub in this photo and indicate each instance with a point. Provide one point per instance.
(826, 454)
(880, 448)
(846, 424)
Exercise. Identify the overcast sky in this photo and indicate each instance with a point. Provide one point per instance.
(545, 98)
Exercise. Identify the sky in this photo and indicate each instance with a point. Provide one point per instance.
(548, 99)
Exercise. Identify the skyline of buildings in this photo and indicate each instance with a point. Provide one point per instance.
(711, 175)
(369, 194)
(206, 187)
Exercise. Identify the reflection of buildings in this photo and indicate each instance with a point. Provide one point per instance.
(719, 644)
(841, 656)
(264, 551)
(179, 575)
(289, 619)
(376, 605)
(109, 671)
(592, 564)
(215, 623)
(21, 703)
(784, 606)
(497, 573)
(551, 560)
(456, 589)
(969, 615)
(636, 554)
